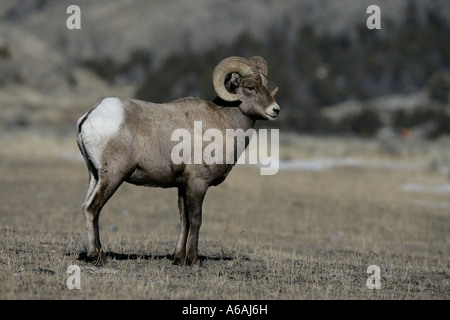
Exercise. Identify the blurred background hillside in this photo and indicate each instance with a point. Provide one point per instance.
(336, 77)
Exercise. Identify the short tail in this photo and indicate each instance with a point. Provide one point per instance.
(82, 147)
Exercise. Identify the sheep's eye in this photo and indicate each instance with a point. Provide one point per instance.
(251, 88)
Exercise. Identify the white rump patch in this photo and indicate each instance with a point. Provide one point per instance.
(106, 118)
(101, 125)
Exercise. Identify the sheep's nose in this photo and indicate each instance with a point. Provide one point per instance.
(276, 109)
(272, 112)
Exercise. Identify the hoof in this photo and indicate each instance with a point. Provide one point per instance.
(179, 261)
(97, 258)
(195, 261)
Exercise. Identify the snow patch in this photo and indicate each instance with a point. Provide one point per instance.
(322, 164)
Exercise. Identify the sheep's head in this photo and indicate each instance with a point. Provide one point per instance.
(237, 78)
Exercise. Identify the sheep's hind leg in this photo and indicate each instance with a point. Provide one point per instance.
(179, 256)
(96, 199)
(92, 184)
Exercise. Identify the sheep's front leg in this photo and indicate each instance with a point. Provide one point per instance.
(179, 256)
(194, 200)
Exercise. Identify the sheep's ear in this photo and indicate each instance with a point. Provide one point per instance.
(232, 82)
(274, 91)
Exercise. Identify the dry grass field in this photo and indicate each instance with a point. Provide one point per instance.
(299, 234)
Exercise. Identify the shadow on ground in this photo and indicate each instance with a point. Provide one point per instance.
(82, 256)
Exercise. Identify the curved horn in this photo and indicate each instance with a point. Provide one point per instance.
(260, 64)
(224, 68)
(274, 91)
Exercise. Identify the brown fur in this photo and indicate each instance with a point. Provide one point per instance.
(141, 154)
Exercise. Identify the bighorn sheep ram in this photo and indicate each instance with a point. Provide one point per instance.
(130, 140)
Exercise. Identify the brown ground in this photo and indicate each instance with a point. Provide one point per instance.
(295, 235)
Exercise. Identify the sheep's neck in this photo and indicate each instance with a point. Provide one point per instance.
(237, 120)
(234, 117)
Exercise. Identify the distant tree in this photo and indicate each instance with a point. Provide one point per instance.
(5, 52)
(439, 87)
(366, 123)
(105, 68)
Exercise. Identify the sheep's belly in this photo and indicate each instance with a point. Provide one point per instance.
(157, 177)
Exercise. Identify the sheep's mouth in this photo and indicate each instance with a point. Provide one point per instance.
(270, 117)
